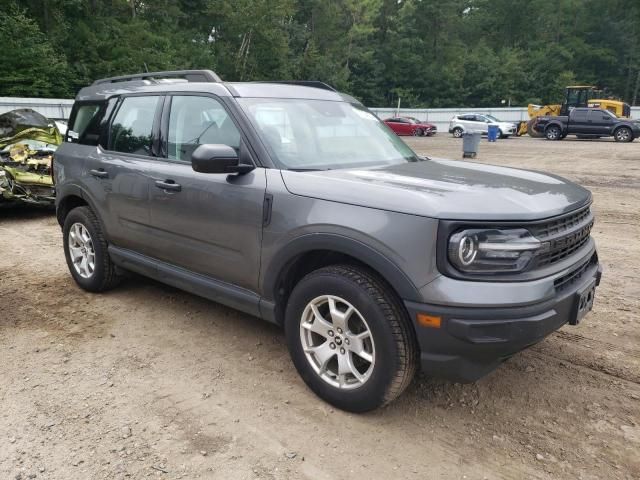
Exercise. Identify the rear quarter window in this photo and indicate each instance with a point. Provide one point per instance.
(84, 124)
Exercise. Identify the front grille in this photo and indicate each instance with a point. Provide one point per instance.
(565, 234)
(573, 276)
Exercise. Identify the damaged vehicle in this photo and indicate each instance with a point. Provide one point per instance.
(27, 143)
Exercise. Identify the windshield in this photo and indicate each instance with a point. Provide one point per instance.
(320, 135)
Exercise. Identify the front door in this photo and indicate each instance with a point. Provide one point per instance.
(206, 223)
(600, 121)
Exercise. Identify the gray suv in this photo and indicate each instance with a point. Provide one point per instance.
(294, 203)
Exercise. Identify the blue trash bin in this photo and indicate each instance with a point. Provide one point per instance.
(492, 133)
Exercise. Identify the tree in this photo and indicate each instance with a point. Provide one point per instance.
(31, 67)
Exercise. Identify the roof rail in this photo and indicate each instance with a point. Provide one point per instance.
(188, 75)
(306, 83)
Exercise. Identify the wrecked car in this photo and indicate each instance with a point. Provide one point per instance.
(27, 143)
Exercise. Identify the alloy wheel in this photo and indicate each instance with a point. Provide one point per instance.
(81, 250)
(337, 342)
(623, 135)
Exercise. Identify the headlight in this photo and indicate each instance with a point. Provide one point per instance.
(494, 250)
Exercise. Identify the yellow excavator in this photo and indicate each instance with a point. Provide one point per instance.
(575, 96)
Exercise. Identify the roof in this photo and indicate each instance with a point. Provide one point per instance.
(206, 81)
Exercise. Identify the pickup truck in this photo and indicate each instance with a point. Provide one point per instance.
(588, 123)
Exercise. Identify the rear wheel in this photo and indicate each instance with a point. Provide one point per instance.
(457, 132)
(85, 250)
(350, 338)
(531, 131)
(553, 132)
(623, 134)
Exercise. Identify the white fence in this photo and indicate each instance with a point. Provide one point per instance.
(55, 108)
(60, 108)
(440, 116)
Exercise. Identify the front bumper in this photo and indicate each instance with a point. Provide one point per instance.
(471, 342)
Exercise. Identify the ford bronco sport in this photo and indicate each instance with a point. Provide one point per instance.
(294, 203)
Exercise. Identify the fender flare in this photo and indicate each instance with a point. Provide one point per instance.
(69, 190)
(340, 244)
(555, 124)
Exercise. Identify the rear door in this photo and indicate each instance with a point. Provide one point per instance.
(481, 124)
(113, 168)
(394, 125)
(209, 224)
(402, 126)
(579, 122)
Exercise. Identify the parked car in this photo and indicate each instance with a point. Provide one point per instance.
(411, 126)
(27, 142)
(588, 123)
(297, 205)
(479, 122)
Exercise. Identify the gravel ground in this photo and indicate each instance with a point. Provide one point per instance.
(148, 381)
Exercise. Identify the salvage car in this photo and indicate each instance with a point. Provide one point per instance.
(410, 126)
(27, 143)
(297, 205)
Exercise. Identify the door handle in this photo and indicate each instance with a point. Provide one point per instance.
(100, 173)
(168, 185)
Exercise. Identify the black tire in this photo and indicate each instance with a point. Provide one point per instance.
(457, 132)
(418, 132)
(553, 132)
(623, 134)
(104, 275)
(533, 133)
(396, 354)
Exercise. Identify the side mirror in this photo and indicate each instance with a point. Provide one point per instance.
(217, 159)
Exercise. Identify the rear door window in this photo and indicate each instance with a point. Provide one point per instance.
(132, 127)
(579, 115)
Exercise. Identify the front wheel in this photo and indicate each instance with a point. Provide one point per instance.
(85, 250)
(418, 132)
(457, 132)
(553, 133)
(623, 134)
(350, 338)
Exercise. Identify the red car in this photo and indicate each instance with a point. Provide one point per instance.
(410, 126)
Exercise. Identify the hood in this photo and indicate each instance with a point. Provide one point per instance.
(444, 189)
(25, 124)
(428, 125)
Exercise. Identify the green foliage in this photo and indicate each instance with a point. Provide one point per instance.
(31, 66)
(431, 53)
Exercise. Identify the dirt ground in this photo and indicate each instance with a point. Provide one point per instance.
(148, 381)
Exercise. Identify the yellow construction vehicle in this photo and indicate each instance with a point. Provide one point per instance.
(575, 96)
